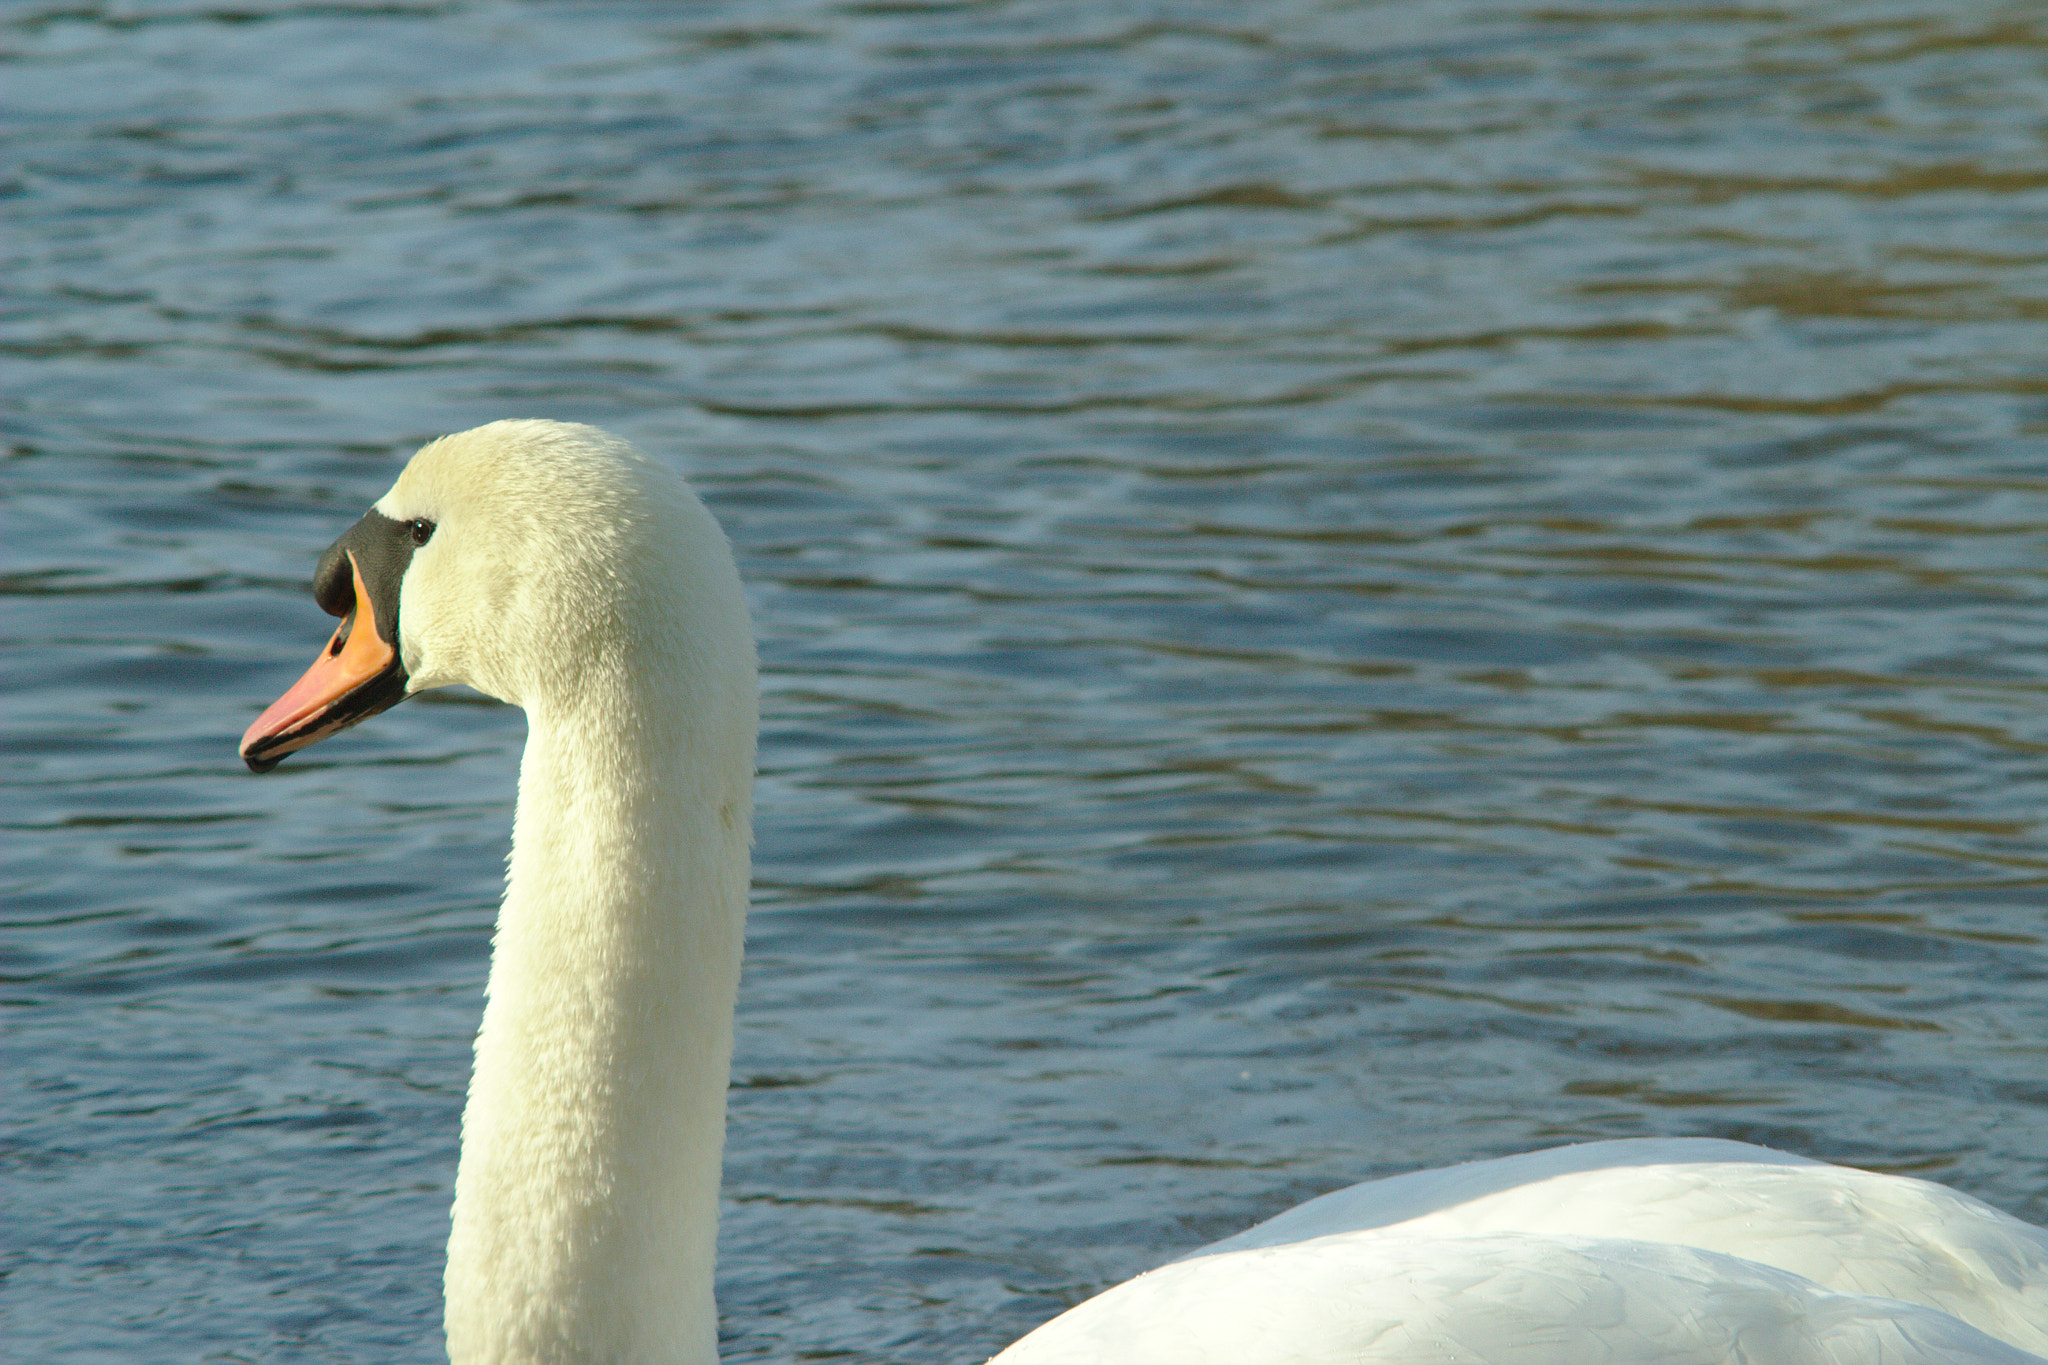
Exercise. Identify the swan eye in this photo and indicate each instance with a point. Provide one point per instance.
(420, 529)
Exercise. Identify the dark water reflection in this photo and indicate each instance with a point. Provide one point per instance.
(1343, 586)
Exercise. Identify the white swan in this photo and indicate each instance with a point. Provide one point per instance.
(555, 567)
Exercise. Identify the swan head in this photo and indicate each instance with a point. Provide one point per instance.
(538, 562)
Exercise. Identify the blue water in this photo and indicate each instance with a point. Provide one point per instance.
(1342, 587)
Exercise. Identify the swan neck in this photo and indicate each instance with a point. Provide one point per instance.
(585, 1218)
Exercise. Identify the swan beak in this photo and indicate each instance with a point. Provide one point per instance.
(355, 677)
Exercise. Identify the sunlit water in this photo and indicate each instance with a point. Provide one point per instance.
(1343, 587)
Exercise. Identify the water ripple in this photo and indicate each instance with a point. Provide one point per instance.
(1338, 591)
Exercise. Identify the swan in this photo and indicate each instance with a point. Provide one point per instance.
(557, 568)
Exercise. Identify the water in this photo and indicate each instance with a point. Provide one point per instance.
(1343, 587)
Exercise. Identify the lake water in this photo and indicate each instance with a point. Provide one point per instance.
(1342, 586)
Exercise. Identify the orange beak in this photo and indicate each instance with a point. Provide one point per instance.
(356, 676)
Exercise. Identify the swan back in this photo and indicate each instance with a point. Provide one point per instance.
(1645, 1250)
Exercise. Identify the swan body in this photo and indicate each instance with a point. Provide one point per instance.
(1665, 1250)
(555, 567)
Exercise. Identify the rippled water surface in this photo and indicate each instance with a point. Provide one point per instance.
(1342, 586)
